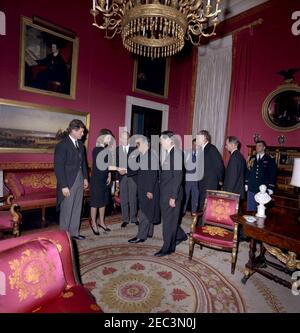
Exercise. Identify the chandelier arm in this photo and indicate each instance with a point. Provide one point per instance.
(200, 32)
(116, 31)
(112, 10)
(196, 5)
(216, 13)
(190, 38)
(113, 25)
(193, 17)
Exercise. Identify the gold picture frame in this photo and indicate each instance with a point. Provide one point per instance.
(34, 128)
(281, 108)
(151, 76)
(48, 60)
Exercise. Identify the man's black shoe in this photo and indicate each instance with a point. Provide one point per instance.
(137, 223)
(136, 240)
(132, 240)
(181, 240)
(161, 254)
(79, 237)
(124, 224)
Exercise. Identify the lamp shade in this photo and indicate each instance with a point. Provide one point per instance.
(295, 181)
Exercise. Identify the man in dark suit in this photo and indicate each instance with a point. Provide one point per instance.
(236, 169)
(171, 194)
(213, 166)
(72, 178)
(127, 182)
(148, 190)
(261, 169)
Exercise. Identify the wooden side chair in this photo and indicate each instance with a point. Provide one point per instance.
(217, 231)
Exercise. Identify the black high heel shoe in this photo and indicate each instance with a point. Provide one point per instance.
(95, 232)
(105, 229)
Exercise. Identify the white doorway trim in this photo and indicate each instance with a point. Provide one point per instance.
(130, 101)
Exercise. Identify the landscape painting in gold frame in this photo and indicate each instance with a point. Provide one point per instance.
(34, 128)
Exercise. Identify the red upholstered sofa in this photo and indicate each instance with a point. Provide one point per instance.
(33, 185)
(37, 274)
(32, 189)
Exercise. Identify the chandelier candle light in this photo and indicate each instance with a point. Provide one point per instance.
(156, 28)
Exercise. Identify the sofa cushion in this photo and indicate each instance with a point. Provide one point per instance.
(37, 181)
(218, 210)
(76, 299)
(13, 183)
(33, 276)
(38, 199)
(211, 235)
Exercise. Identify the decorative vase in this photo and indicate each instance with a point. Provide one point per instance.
(281, 140)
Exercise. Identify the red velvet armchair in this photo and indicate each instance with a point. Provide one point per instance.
(10, 218)
(218, 230)
(37, 274)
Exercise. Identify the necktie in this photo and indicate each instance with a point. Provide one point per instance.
(76, 145)
(194, 157)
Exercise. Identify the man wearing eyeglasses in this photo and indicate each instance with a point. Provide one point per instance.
(147, 189)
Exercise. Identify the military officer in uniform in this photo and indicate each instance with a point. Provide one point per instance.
(261, 169)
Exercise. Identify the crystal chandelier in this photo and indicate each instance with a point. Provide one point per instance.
(156, 28)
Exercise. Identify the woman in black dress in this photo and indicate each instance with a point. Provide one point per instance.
(100, 180)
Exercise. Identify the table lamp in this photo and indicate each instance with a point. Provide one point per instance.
(295, 181)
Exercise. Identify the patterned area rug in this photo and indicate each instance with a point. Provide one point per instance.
(127, 278)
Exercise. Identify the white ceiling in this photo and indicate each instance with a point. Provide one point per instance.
(232, 8)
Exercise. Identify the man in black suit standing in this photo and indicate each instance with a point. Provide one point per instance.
(72, 178)
(171, 194)
(127, 182)
(148, 190)
(236, 169)
(213, 166)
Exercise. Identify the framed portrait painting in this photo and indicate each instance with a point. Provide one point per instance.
(48, 60)
(27, 127)
(151, 76)
(281, 108)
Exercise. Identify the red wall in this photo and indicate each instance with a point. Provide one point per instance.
(274, 48)
(104, 77)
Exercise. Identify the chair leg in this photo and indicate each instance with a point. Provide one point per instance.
(191, 248)
(233, 260)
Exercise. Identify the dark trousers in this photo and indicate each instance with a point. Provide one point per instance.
(191, 190)
(251, 203)
(128, 192)
(146, 228)
(172, 231)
